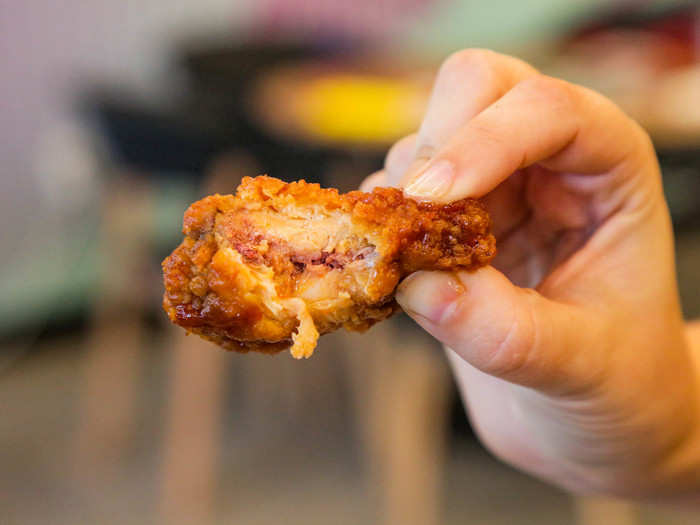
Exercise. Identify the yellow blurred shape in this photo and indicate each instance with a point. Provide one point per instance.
(361, 108)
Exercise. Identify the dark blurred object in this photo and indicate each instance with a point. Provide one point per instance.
(219, 78)
(223, 86)
(225, 109)
(677, 22)
(210, 121)
(219, 82)
(150, 140)
(681, 175)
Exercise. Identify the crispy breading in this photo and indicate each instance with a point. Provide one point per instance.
(280, 263)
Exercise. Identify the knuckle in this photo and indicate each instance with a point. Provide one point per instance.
(488, 135)
(549, 90)
(492, 139)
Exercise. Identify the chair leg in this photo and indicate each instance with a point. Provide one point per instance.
(196, 397)
(108, 399)
(419, 406)
(596, 510)
(369, 370)
(192, 431)
(113, 355)
(401, 397)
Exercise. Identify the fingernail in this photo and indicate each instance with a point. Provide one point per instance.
(430, 295)
(433, 182)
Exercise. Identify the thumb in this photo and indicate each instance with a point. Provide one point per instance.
(509, 332)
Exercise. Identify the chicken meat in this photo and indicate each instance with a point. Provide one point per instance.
(277, 264)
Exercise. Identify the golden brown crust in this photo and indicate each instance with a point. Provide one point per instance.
(279, 263)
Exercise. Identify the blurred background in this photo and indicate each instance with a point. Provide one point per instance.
(115, 115)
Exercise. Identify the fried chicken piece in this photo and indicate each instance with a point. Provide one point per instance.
(278, 264)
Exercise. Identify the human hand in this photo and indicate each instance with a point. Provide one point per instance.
(570, 351)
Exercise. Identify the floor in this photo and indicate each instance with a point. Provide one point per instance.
(270, 469)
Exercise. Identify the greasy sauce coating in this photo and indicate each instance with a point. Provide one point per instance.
(280, 263)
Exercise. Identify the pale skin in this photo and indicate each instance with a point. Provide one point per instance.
(570, 351)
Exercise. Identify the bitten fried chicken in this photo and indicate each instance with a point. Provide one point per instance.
(278, 263)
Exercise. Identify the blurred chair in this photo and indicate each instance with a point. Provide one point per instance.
(399, 382)
(192, 439)
(596, 510)
(115, 338)
(401, 390)
(195, 397)
(143, 143)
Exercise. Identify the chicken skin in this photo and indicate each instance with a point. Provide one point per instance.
(278, 264)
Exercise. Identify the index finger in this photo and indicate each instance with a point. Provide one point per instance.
(468, 82)
(565, 128)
